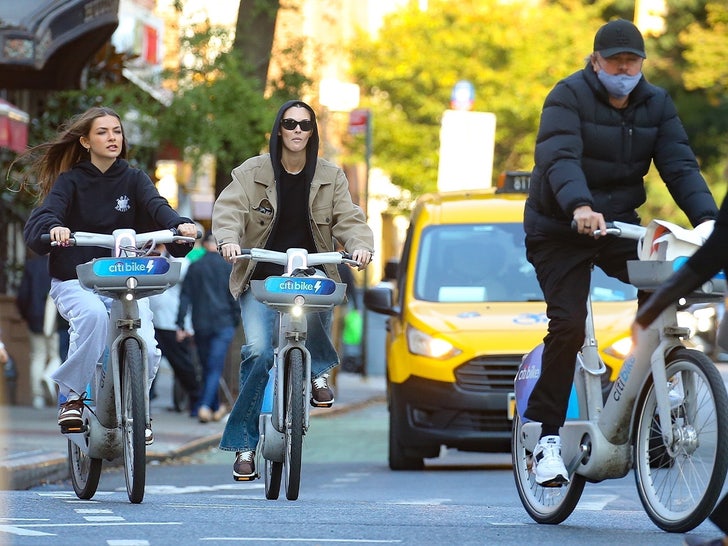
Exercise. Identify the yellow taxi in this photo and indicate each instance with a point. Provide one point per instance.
(464, 308)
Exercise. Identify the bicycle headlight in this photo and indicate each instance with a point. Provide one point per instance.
(423, 344)
(297, 309)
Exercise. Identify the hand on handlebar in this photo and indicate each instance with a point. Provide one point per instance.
(229, 251)
(363, 256)
(589, 222)
(61, 235)
(187, 230)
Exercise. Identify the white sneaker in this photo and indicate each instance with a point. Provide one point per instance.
(548, 466)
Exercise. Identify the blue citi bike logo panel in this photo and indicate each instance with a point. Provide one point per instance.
(118, 267)
(300, 285)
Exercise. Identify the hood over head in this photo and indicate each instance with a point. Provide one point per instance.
(276, 144)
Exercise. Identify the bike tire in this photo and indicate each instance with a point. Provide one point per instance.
(294, 412)
(133, 419)
(548, 505)
(679, 488)
(85, 472)
(273, 472)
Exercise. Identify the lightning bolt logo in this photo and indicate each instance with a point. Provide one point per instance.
(150, 266)
(317, 286)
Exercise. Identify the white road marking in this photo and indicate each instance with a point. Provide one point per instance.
(290, 539)
(595, 502)
(139, 542)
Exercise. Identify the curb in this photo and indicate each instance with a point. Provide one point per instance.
(27, 470)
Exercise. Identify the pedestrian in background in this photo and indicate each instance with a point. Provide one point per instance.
(4, 357)
(32, 304)
(178, 352)
(215, 316)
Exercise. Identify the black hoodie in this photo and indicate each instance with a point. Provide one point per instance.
(85, 199)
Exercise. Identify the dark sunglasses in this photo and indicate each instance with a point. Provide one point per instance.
(290, 124)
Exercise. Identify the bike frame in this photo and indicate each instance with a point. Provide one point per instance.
(101, 438)
(608, 425)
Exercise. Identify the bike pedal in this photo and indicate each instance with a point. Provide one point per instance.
(245, 478)
(73, 429)
(321, 405)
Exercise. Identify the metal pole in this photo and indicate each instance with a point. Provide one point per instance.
(365, 319)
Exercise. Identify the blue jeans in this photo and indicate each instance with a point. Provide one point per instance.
(212, 348)
(260, 324)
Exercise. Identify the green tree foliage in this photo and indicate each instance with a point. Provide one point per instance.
(512, 52)
(219, 107)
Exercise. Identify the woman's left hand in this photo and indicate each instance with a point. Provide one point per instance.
(363, 256)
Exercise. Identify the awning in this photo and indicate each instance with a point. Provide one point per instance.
(13, 127)
(45, 44)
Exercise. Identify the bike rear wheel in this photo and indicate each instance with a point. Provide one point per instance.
(85, 472)
(273, 472)
(133, 419)
(549, 505)
(680, 484)
(293, 422)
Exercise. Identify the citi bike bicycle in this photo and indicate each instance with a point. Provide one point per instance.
(116, 416)
(284, 422)
(666, 417)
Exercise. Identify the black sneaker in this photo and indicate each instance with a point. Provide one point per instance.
(70, 415)
(321, 394)
(244, 466)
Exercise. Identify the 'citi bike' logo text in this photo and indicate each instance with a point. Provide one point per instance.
(291, 285)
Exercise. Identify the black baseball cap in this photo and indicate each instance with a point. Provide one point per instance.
(619, 36)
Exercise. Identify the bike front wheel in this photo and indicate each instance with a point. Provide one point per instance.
(133, 419)
(680, 484)
(550, 505)
(294, 422)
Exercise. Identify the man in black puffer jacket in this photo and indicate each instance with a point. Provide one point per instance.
(600, 130)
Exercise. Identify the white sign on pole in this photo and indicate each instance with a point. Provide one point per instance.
(467, 141)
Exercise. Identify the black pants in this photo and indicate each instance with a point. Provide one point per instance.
(180, 357)
(563, 269)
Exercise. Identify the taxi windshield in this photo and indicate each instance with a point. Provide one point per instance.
(460, 263)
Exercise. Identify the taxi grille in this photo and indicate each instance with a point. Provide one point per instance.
(488, 373)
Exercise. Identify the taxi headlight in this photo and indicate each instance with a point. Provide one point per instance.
(423, 344)
(620, 348)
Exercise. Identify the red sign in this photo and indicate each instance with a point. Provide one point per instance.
(358, 121)
(13, 127)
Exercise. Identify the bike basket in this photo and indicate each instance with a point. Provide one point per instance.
(649, 275)
(316, 291)
(110, 276)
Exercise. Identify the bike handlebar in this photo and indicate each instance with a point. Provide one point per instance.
(619, 229)
(106, 240)
(281, 258)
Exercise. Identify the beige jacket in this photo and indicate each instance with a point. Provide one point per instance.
(245, 213)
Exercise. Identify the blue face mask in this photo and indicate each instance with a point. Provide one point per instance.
(618, 85)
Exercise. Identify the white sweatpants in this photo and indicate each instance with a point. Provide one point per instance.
(88, 318)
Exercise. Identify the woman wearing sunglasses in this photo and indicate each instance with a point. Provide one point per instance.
(287, 198)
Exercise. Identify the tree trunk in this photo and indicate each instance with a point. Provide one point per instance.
(254, 35)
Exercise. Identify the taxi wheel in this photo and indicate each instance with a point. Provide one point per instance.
(399, 459)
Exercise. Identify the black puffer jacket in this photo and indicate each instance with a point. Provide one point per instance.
(589, 153)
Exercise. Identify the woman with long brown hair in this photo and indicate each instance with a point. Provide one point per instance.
(85, 184)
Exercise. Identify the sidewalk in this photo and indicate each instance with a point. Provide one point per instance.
(33, 451)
